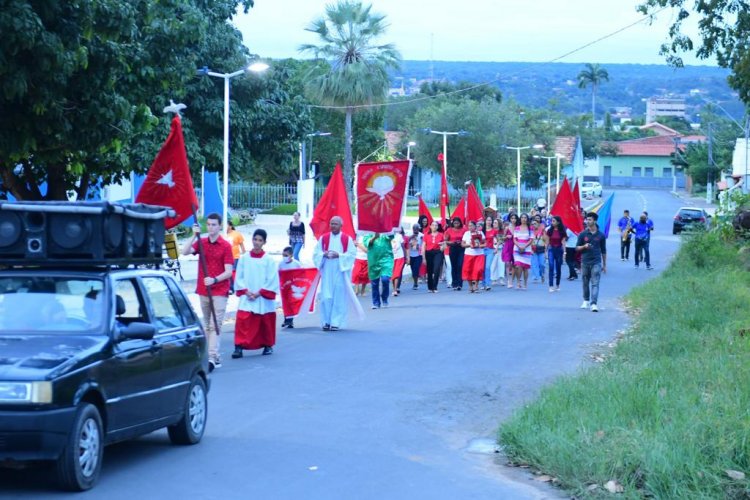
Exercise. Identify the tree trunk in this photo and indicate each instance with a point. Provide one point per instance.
(348, 153)
(593, 105)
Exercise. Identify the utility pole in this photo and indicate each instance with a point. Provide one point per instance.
(711, 164)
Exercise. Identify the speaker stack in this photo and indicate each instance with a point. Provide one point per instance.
(90, 233)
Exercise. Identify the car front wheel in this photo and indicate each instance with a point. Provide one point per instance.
(189, 430)
(81, 461)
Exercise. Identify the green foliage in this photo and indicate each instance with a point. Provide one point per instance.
(490, 125)
(723, 31)
(666, 415)
(83, 83)
(353, 69)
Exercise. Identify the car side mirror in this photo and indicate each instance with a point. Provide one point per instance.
(137, 330)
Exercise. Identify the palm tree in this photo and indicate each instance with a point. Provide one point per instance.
(594, 75)
(356, 74)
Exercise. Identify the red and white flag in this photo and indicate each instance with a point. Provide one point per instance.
(295, 285)
(168, 182)
(381, 195)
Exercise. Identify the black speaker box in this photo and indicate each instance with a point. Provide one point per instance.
(81, 232)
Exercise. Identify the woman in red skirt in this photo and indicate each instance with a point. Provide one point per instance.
(360, 278)
(473, 267)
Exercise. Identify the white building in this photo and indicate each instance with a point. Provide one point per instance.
(664, 106)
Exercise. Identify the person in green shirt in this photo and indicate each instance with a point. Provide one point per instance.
(379, 266)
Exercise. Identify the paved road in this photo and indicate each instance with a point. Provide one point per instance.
(387, 408)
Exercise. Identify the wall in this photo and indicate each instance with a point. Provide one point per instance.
(624, 167)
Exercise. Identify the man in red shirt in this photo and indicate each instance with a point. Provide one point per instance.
(217, 253)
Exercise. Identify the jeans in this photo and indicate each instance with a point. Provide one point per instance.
(489, 256)
(591, 274)
(625, 248)
(537, 265)
(415, 263)
(570, 260)
(457, 264)
(296, 247)
(555, 255)
(434, 264)
(641, 247)
(377, 296)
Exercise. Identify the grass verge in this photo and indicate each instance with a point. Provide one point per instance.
(667, 415)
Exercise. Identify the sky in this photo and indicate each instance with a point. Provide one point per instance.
(479, 30)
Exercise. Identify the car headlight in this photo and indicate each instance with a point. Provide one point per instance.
(25, 392)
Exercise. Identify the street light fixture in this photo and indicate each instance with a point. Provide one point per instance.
(305, 163)
(256, 67)
(408, 149)
(445, 135)
(518, 149)
(549, 173)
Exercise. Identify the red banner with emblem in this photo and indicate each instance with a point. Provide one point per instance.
(381, 195)
(295, 285)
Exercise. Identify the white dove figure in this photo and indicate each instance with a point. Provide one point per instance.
(174, 107)
(381, 186)
(166, 179)
(298, 291)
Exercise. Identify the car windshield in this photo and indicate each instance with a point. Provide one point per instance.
(43, 304)
(691, 213)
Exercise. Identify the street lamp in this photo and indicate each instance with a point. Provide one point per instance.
(518, 149)
(256, 67)
(408, 149)
(549, 173)
(445, 135)
(317, 133)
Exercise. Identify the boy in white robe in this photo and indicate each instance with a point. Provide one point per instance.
(257, 283)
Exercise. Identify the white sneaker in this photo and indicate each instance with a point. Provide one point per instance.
(551, 290)
(594, 308)
(585, 304)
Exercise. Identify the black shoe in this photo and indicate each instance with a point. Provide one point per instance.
(326, 328)
(237, 353)
(415, 287)
(211, 365)
(267, 351)
(290, 325)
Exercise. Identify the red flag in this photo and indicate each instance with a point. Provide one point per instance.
(333, 202)
(565, 208)
(460, 210)
(295, 285)
(576, 200)
(168, 182)
(474, 205)
(444, 198)
(423, 210)
(381, 195)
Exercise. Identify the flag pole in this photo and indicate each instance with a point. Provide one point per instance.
(204, 268)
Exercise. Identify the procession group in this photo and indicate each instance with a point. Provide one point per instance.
(504, 251)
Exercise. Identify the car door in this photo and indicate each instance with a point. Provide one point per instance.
(177, 339)
(133, 374)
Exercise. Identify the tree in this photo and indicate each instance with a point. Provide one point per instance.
(80, 80)
(724, 29)
(353, 70)
(593, 75)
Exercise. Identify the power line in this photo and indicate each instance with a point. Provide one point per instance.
(496, 80)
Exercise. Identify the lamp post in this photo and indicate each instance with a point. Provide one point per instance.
(317, 133)
(557, 185)
(549, 173)
(445, 135)
(408, 149)
(257, 67)
(518, 150)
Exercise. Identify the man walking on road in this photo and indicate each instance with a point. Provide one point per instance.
(379, 267)
(219, 261)
(593, 247)
(642, 230)
(334, 257)
(625, 225)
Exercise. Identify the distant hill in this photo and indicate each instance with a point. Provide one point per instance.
(554, 85)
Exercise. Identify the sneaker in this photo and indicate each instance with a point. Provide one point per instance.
(594, 308)
(211, 365)
(237, 353)
(326, 327)
(375, 307)
(290, 325)
(385, 304)
(585, 304)
(636, 266)
(649, 268)
(622, 259)
(551, 289)
(267, 351)
(557, 289)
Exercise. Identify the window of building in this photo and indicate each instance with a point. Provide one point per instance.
(636, 171)
(649, 171)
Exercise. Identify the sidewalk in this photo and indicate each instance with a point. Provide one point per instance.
(697, 201)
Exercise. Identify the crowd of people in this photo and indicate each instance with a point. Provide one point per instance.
(507, 250)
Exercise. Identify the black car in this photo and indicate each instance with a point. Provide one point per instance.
(688, 218)
(92, 352)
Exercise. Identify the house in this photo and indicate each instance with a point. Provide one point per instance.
(645, 162)
(664, 106)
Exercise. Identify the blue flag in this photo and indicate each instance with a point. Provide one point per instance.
(605, 215)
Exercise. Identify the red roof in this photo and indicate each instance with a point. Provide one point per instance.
(566, 147)
(659, 145)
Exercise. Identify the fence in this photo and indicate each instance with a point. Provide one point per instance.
(264, 197)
